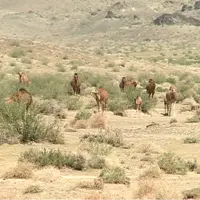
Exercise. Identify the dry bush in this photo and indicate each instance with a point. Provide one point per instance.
(98, 121)
(149, 148)
(80, 124)
(47, 174)
(97, 184)
(33, 189)
(114, 175)
(146, 189)
(172, 164)
(149, 189)
(97, 196)
(152, 172)
(192, 194)
(21, 171)
(111, 137)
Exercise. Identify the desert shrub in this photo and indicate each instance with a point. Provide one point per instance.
(17, 53)
(191, 140)
(172, 164)
(117, 104)
(171, 80)
(152, 172)
(51, 86)
(96, 162)
(148, 148)
(73, 103)
(160, 89)
(98, 121)
(55, 158)
(26, 61)
(83, 114)
(192, 193)
(192, 165)
(95, 148)
(28, 127)
(114, 175)
(21, 171)
(33, 189)
(145, 187)
(194, 119)
(113, 138)
(97, 184)
(159, 78)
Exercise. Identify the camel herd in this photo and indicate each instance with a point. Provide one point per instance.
(100, 94)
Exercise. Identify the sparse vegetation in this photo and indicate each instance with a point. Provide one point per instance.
(192, 194)
(96, 162)
(113, 138)
(172, 164)
(114, 175)
(33, 189)
(191, 140)
(152, 172)
(17, 53)
(55, 158)
(97, 184)
(29, 127)
(83, 114)
(21, 171)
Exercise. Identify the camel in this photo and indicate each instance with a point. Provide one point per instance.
(124, 83)
(151, 87)
(75, 83)
(170, 101)
(101, 96)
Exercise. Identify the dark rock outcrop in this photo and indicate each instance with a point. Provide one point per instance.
(176, 19)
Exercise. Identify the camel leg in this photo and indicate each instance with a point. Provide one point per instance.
(98, 106)
(174, 109)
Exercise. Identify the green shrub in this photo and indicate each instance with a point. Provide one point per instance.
(194, 119)
(114, 175)
(17, 53)
(96, 162)
(55, 158)
(27, 127)
(83, 114)
(172, 164)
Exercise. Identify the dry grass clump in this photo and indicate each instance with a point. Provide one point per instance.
(80, 124)
(149, 148)
(111, 137)
(96, 184)
(97, 120)
(149, 189)
(152, 172)
(47, 174)
(33, 189)
(98, 196)
(21, 171)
